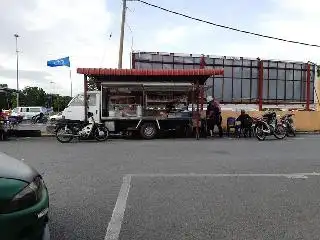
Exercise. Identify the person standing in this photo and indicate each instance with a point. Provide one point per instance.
(217, 116)
(210, 116)
(214, 116)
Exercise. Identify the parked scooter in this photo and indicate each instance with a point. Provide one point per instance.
(67, 129)
(287, 120)
(269, 125)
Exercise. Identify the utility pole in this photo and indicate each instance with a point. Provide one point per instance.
(17, 52)
(123, 20)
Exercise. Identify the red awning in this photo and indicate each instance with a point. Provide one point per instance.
(149, 72)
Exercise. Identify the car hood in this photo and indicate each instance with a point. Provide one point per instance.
(16, 169)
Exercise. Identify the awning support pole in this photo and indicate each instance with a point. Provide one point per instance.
(260, 90)
(198, 112)
(85, 84)
(308, 88)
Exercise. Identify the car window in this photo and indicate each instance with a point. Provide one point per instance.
(34, 109)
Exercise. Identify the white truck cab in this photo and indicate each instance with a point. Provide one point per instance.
(75, 108)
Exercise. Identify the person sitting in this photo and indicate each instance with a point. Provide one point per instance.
(245, 124)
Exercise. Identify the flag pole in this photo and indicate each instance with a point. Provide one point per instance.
(70, 83)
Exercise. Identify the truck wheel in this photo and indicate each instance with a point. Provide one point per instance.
(148, 131)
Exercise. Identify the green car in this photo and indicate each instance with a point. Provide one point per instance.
(24, 202)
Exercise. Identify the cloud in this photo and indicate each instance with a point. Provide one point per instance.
(171, 36)
(50, 30)
(80, 29)
(290, 19)
(37, 76)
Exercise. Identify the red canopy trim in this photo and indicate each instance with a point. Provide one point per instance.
(149, 72)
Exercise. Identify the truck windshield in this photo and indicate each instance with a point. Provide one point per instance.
(77, 101)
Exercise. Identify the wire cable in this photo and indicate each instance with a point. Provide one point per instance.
(227, 27)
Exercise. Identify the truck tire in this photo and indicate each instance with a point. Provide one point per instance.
(148, 131)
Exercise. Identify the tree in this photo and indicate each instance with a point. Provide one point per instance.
(33, 96)
(5, 96)
(60, 102)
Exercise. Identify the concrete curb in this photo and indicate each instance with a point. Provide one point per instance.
(314, 132)
(53, 135)
(47, 135)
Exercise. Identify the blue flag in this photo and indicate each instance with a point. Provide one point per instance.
(59, 62)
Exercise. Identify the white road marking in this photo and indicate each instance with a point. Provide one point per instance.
(114, 226)
(285, 175)
(115, 223)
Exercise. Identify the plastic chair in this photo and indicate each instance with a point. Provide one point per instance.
(231, 123)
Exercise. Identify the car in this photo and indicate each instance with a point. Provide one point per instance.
(24, 201)
(56, 117)
(15, 115)
(29, 112)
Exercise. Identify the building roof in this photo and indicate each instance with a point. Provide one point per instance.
(150, 75)
(149, 72)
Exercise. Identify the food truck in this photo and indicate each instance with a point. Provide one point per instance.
(144, 102)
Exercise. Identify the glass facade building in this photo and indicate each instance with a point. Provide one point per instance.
(245, 80)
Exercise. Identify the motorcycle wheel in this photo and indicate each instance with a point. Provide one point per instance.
(280, 132)
(291, 132)
(61, 131)
(260, 135)
(98, 136)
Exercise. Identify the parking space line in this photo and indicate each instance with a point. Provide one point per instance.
(115, 223)
(285, 175)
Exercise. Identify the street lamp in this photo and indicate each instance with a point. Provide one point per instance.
(17, 52)
(53, 88)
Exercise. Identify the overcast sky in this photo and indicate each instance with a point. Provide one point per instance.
(81, 29)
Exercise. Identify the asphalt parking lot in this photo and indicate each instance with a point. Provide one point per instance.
(179, 189)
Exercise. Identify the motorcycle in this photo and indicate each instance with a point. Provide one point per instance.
(39, 118)
(269, 125)
(67, 129)
(287, 120)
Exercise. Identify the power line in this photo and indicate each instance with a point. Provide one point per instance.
(227, 27)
